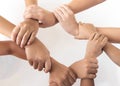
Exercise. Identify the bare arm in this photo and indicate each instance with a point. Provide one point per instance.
(112, 33)
(85, 30)
(48, 19)
(36, 52)
(30, 2)
(5, 24)
(80, 5)
(87, 82)
(113, 52)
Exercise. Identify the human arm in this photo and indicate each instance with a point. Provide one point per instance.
(111, 33)
(42, 53)
(48, 19)
(80, 5)
(23, 34)
(31, 2)
(83, 30)
(113, 52)
(94, 49)
(65, 78)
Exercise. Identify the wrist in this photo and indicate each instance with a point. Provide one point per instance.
(89, 55)
(11, 47)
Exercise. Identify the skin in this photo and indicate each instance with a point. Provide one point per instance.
(41, 57)
(66, 75)
(94, 49)
(84, 30)
(24, 34)
(47, 18)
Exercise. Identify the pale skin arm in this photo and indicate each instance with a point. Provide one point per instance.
(80, 5)
(111, 33)
(48, 19)
(83, 31)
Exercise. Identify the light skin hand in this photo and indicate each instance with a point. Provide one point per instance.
(67, 20)
(85, 30)
(45, 17)
(85, 68)
(25, 33)
(95, 45)
(38, 56)
(61, 75)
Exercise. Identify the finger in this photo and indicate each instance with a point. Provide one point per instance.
(67, 9)
(92, 71)
(53, 84)
(60, 13)
(21, 34)
(32, 38)
(92, 36)
(48, 65)
(66, 82)
(92, 65)
(25, 38)
(71, 80)
(63, 11)
(93, 60)
(101, 38)
(105, 40)
(96, 36)
(33, 15)
(61, 84)
(73, 75)
(40, 66)
(58, 16)
(91, 76)
(35, 64)
(15, 32)
(31, 62)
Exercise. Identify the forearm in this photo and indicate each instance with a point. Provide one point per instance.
(6, 27)
(87, 82)
(112, 33)
(113, 52)
(80, 5)
(5, 48)
(10, 48)
(30, 2)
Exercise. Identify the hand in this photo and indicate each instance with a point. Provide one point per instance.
(85, 30)
(38, 56)
(85, 68)
(67, 20)
(95, 44)
(45, 17)
(60, 75)
(24, 34)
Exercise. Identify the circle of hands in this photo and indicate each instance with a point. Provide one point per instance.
(39, 57)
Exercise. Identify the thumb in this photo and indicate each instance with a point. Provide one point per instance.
(53, 84)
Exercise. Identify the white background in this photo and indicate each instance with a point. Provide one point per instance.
(63, 47)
